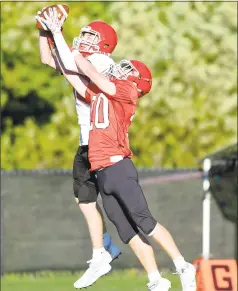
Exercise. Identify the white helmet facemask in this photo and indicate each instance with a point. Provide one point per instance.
(85, 45)
(123, 69)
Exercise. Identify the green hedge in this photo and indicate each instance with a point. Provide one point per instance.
(191, 110)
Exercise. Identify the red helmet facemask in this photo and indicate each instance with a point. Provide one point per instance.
(136, 72)
(103, 38)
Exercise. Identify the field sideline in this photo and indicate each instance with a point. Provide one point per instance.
(126, 280)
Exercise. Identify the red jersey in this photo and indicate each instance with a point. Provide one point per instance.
(111, 117)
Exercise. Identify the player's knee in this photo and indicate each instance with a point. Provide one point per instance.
(146, 223)
(126, 233)
(83, 194)
(76, 188)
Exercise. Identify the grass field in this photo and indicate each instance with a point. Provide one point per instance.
(127, 280)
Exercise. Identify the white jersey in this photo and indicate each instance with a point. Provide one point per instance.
(102, 64)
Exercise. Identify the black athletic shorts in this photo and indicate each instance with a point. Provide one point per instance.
(85, 183)
(123, 199)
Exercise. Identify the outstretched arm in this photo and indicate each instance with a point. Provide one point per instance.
(66, 56)
(78, 82)
(45, 50)
(63, 55)
(44, 45)
(54, 25)
(98, 79)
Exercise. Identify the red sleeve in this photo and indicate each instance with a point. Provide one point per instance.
(125, 92)
(91, 91)
(50, 38)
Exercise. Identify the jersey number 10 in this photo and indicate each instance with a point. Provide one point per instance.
(103, 114)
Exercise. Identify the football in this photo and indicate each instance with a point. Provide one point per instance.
(62, 9)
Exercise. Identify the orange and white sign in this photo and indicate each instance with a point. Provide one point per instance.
(216, 275)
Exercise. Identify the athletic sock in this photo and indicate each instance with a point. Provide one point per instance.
(97, 253)
(179, 263)
(154, 276)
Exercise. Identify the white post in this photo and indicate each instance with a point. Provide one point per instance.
(206, 226)
(206, 210)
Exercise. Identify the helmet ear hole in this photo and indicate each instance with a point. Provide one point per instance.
(106, 45)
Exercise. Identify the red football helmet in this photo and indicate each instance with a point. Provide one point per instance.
(103, 38)
(136, 72)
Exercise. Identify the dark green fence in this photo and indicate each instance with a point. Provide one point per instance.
(42, 227)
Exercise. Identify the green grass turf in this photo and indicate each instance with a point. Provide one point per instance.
(126, 280)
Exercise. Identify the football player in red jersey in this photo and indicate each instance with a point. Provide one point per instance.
(113, 104)
(96, 42)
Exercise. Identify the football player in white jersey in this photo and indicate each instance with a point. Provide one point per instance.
(117, 184)
(96, 42)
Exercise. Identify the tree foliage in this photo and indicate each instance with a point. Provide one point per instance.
(191, 110)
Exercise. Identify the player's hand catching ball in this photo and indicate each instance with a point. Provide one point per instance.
(39, 23)
(51, 20)
(62, 9)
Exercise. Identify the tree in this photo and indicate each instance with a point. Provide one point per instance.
(191, 50)
(191, 110)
